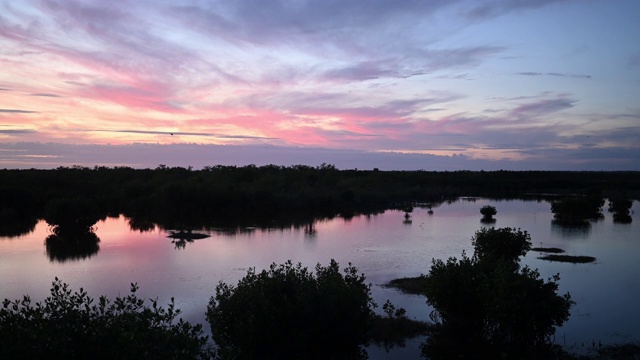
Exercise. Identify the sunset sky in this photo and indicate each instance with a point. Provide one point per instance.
(402, 84)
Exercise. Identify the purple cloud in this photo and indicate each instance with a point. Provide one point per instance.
(542, 107)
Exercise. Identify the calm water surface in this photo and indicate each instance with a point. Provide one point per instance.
(381, 246)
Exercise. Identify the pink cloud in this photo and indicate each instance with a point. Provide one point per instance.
(148, 96)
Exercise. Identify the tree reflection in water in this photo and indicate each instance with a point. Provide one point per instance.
(72, 222)
(67, 245)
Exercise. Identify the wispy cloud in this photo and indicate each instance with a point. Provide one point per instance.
(17, 111)
(542, 107)
(493, 8)
(45, 95)
(182, 133)
(529, 73)
(17, 131)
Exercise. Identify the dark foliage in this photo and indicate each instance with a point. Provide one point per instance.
(75, 246)
(72, 222)
(70, 325)
(394, 328)
(72, 215)
(13, 224)
(17, 217)
(504, 245)
(488, 211)
(287, 312)
(621, 207)
(182, 198)
(577, 209)
(487, 307)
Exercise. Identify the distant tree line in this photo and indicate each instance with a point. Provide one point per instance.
(178, 197)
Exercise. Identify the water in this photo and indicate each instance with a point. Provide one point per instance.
(381, 246)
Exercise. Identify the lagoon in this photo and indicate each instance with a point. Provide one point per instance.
(383, 247)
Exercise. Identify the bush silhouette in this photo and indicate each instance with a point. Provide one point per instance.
(289, 312)
(70, 325)
(485, 306)
(488, 211)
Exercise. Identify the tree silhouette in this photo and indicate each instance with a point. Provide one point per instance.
(72, 223)
(288, 312)
(487, 306)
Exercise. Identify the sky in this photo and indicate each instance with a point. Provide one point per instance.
(394, 85)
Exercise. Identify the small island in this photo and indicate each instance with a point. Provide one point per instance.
(488, 212)
(569, 258)
(186, 235)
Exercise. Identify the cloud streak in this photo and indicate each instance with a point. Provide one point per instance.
(182, 133)
(529, 73)
(16, 111)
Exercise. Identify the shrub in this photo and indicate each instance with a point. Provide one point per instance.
(577, 209)
(488, 211)
(71, 326)
(288, 312)
(503, 244)
(486, 306)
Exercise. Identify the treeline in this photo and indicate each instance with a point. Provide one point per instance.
(182, 197)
